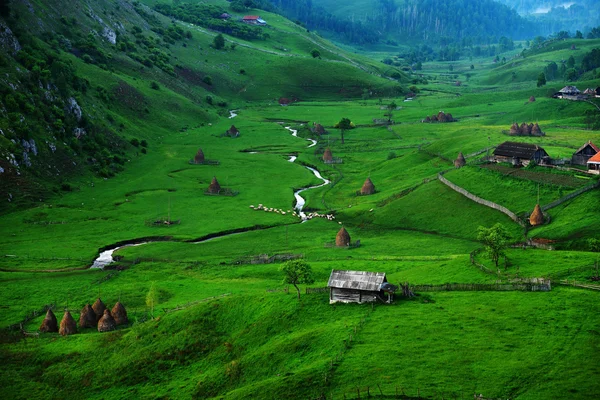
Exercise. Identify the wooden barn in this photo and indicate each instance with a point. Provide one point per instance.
(584, 153)
(359, 287)
(520, 153)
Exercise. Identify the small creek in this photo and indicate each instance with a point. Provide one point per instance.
(106, 257)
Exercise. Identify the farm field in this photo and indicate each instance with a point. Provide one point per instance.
(210, 316)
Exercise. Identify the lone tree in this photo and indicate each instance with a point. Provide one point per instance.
(344, 125)
(219, 42)
(390, 111)
(495, 240)
(541, 80)
(315, 53)
(297, 272)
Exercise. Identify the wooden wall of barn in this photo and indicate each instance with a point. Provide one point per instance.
(351, 296)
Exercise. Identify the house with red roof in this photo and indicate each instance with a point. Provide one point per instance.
(584, 153)
(253, 20)
(594, 163)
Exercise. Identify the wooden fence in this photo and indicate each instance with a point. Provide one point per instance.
(578, 284)
(317, 290)
(570, 196)
(485, 287)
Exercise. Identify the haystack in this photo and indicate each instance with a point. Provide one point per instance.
(233, 131)
(49, 324)
(367, 187)
(342, 239)
(119, 314)
(327, 156)
(199, 157)
(107, 322)
(460, 161)
(98, 308)
(525, 130)
(214, 187)
(319, 129)
(536, 130)
(532, 99)
(87, 318)
(514, 129)
(536, 217)
(68, 326)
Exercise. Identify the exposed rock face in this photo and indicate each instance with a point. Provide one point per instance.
(109, 35)
(78, 132)
(29, 146)
(74, 108)
(8, 41)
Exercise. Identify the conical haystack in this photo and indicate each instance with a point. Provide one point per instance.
(107, 322)
(532, 99)
(525, 130)
(98, 308)
(233, 131)
(87, 318)
(460, 160)
(49, 324)
(214, 187)
(68, 326)
(319, 129)
(514, 129)
(536, 130)
(199, 157)
(327, 156)
(342, 239)
(119, 314)
(536, 217)
(367, 187)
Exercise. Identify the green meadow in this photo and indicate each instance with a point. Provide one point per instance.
(221, 324)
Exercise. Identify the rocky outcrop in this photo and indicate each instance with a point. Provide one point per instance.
(8, 41)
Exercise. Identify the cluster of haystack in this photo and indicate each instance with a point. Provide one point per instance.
(440, 117)
(460, 161)
(271, 209)
(526, 130)
(367, 187)
(342, 239)
(96, 315)
(537, 216)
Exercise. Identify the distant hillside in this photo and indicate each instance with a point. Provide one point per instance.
(87, 87)
(427, 20)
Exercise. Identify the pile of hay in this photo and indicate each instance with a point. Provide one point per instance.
(233, 131)
(532, 99)
(367, 187)
(98, 308)
(199, 157)
(67, 325)
(49, 324)
(107, 322)
(537, 216)
(460, 161)
(440, 117)
(319, 129)
(214, 187)
(119, 314)
(87, 318)
(526, 130)
(342, 239)
(327, 156)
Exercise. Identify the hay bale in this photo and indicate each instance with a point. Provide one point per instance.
(532, 99)
(460, 161)
(199, 157)
(67, 325)
(107, 322)
(119, 314)
(98, 308)
(87, 318)
(49, 324)
(514, 129)
(214, 187)
(327, 156)
(536, 217)
(367, 187)
(342, 239)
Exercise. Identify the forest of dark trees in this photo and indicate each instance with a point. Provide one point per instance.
(430, 20)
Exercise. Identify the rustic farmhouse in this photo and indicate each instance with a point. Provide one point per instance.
(359, 287)
(584, 153)
(253, 20)
(520, 153)
(568, 92)
(594, 164)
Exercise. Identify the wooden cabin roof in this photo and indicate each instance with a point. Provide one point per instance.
(590, 144)
(519, 150)
(361, 280)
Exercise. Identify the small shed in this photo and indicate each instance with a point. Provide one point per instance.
(584, 153)
(519, 153)
(594, 163)
(358, 287)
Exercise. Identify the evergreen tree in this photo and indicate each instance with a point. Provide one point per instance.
(219, 42)
(541, 80)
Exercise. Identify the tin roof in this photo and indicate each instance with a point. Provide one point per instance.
(361, 280)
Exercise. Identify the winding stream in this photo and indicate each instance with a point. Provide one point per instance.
(106, 257)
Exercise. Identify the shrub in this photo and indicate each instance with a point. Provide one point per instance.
(154, 86)
(208, 80)
(135, 142)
